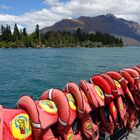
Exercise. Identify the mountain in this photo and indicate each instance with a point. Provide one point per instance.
(128, 30)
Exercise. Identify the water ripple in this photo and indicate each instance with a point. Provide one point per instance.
(31, 71)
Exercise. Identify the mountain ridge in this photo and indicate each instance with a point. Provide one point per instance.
(128, 30)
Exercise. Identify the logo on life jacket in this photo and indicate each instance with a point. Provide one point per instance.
(121, 106)
(113, 108)
(88, 126)
(20, 127)
(117, 83)
(70, 136)
(99, 92)
(48, 106)
(71, 101)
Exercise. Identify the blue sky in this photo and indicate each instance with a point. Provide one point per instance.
(19, 7)
(28, 13)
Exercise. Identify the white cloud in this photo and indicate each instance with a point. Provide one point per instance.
(95, 7)
(5, 7)
(43, 17)
(57, 10)
(128, 9)
(51, 2)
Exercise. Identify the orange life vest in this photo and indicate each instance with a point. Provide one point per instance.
(43, 114)
(66, 112)
(89, 129)
(97, 100)
(120, 83)
(15, 124)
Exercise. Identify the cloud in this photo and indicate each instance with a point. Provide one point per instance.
(51, 2)
(5, 7)
(56, 10)
(95, 7)
(128, 9)
(7, 19)
(29, 20)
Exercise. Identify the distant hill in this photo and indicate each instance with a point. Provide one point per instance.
(128, 30)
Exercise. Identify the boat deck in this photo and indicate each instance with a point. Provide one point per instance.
(134, 135)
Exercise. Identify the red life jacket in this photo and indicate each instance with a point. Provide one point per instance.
(129, 97)
(138, 66)
(135, 87)
(96, 98)
(43, 114)
(66, 112)
(111, 99)
(120, 83)
(130, 86)
(132, 99)
(89, 129)
(138, 70)
(15, 124)
(135, 74)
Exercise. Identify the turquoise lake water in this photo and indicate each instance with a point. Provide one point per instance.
(31, 71)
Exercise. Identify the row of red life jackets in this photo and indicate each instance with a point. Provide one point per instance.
(105, 103)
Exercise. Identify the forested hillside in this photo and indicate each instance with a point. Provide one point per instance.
(21, 39)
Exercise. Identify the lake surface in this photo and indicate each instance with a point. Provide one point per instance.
(31, 71)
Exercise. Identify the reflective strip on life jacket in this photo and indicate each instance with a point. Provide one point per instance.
(108, 95)
(136, 78)
(120, 80)
(80, 111)
(67, 87)
(62, 122)
(90, 80)
(115, 90)
(36, 125)
(50, 94)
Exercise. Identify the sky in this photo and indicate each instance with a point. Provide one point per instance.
(28, 13)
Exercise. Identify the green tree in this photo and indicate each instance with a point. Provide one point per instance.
(6, 34)
(16, 33)
(24, 32)
(2, 29)
(37, 31)
(78, 35)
